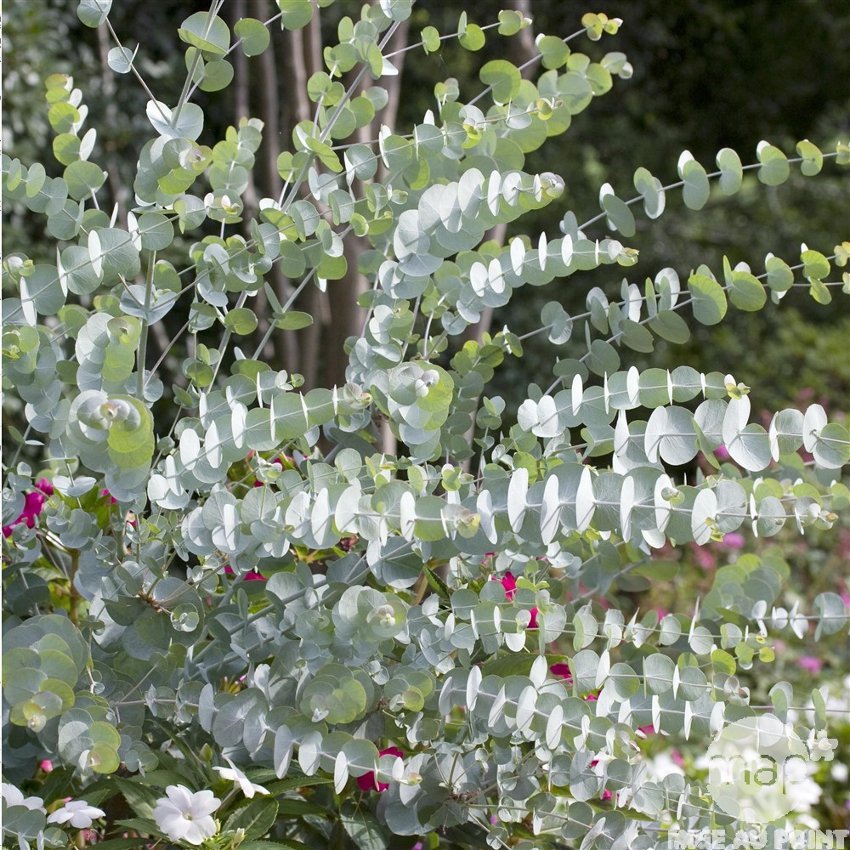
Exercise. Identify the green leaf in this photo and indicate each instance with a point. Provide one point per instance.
(63, 117)
(430, 39)
(293, 320)
(363, 829)
(555, 53)
(658, 672)
(696, 190)
(217, 75)
(325, 153)
(504, 79)
(636, 336)
(670, 326)
(709, 300)
(780, 278)
(436, 583)
(731, 171)
(812, 158)
(241, 321)
(620, 217)
(473, 38)
(774, 165)
(256, 819)
(295, 13)
(188, 125)
(746, 291)
(120, 59)
(297, 808)
(832, 446)
(651, 191)
(253, 35)
(833, 613)
(510, 22)
(820, 292)
(93, 12)
(155, 231)
(815, 265)
(66, 148)
(210, 36)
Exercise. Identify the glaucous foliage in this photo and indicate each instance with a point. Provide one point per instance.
(226, 590)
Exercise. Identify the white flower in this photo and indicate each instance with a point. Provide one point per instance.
(821, 747)
(235, 775)
(14, 797)
(186, 816)
(77, 813)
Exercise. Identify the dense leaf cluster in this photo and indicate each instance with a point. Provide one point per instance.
(255, 582)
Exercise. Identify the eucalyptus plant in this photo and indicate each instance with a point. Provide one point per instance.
(372, 615)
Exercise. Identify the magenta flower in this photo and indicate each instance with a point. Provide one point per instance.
(722, 453)
(45, 486)
(733, 540)
(106, 494)
(33, 506)
(562, 670)
(810, 663)
(509, 584)
(368, 782)
(253, 575)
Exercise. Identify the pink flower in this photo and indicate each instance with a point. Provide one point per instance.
(105, 493)
(367, 782)
(591, 697)
(704, 558)
(509, 583)
(676, 758)
(46, 765)
(606, 795)
(45, 486)
(733, 540)
(722, 453)
(649, 729)
(253, 575)
(810, 663)
(33, 506)
(562, 670)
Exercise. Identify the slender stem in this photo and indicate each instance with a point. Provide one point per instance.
(289, 302)
(143, 345)
(225, 340)
(168, 348)
(137, 75)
